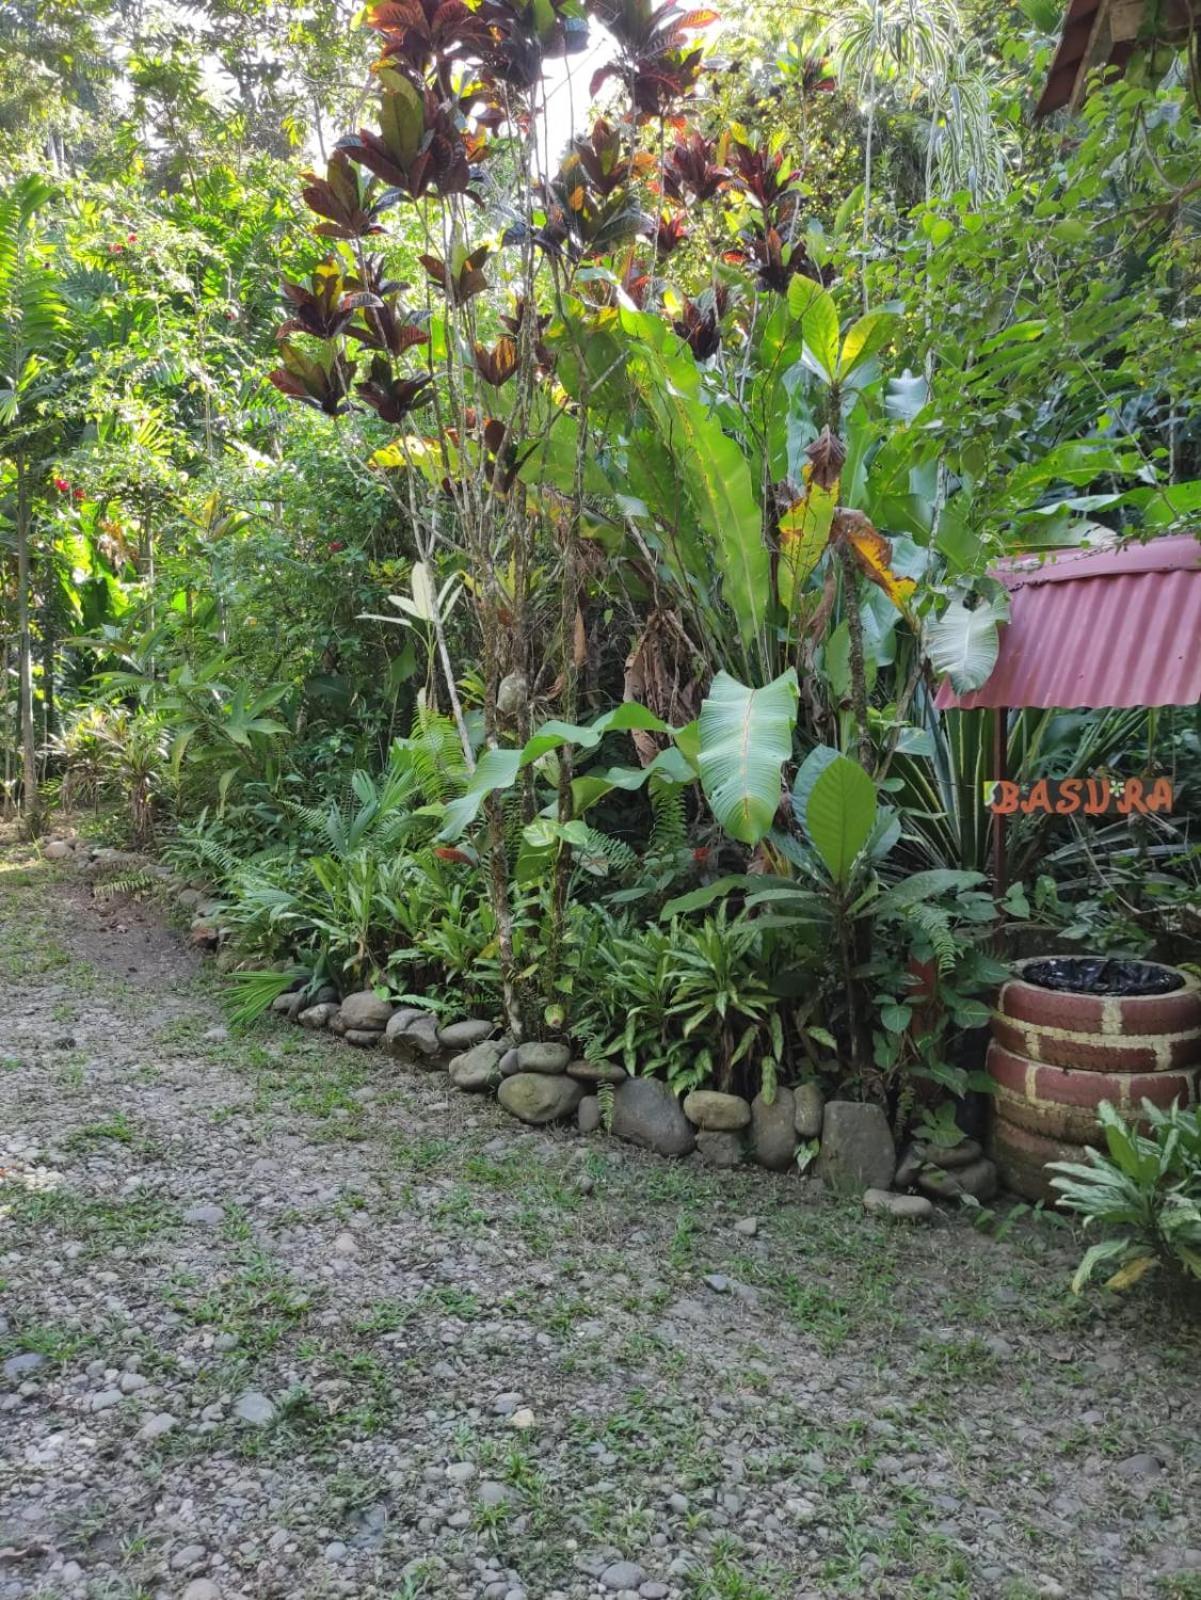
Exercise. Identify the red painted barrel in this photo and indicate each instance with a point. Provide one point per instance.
(1056, 1055)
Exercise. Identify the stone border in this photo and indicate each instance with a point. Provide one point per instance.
(849, 1143)
(539, 1082)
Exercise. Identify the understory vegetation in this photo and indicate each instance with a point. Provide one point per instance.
(536, 606)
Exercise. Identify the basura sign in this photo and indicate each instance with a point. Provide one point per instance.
(1090, 797)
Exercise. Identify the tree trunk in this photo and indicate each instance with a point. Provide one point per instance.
(29, 764)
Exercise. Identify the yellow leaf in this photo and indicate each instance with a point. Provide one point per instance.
(804, 535)
(1130, 1273)
(874, 554)
(411, 451)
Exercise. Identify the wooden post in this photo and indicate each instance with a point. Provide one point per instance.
(1000, 764)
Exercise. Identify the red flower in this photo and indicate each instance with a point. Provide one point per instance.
(115, 249)
(336, 545)
(131, 238)
(61, 485)
(78, 494)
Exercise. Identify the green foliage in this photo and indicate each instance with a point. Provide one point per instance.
(692, 1003)
(745, 737)
(681, 474)
(1145, 1189)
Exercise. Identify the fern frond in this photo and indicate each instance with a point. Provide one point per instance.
(934, 922)
(669, 826)
(128, 883)
(616, 852)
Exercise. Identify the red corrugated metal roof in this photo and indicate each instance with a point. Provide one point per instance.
(1106, 33)
(1060, 86)
(1098, 628)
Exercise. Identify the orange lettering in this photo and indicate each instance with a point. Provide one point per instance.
(1005, 796)
(1039, 798)
(1071, 791)
(1160, 798)
(1132, 797)
(1097, 803)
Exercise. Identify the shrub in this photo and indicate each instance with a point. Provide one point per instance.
(1148, 1188)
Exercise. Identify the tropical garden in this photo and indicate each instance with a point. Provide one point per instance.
(489, 492)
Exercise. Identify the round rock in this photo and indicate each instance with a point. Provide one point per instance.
(857, 1148)
(532, 1097)
(910, 1207)
(810, 1106)
(719, 1149)
(773, 1130)
(715, 1112)
(254, 1408)
(317, 1016)
(536, 1056)
(949, 1157)
(646, 1113)
(366, 1012)
(622, 1575)
(477, 1070)
(597, 1071)
(460, 1036)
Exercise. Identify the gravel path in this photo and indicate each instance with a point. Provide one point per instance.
(281, 1319)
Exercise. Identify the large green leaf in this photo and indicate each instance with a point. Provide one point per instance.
(745, 738)
(496, 769)
(551, 735)
(814, 309)
(840, 815)
(863, 340)
(716, 480)
(962, 644)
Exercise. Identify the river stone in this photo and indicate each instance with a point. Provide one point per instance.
(201, 1589)
(366, 1012)
(412, 1033)
(477, 1070)
(317, 1016)
(622, 1575)
(978, 1180)
(646, 1113)
(957, 1155)
(597, 1072)
(57, 850)
(719, 1148)
(588, 1114)
(363, 1038)
(288, 1005)
(716, 1113)
(535, 1097)
(538, 1057)
(509, 1062)
(19, 1366)
(810, 1108)
(857, 1151)
(254, 1408)
(458, 1036)
(910, 1207)
(773, 1130)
